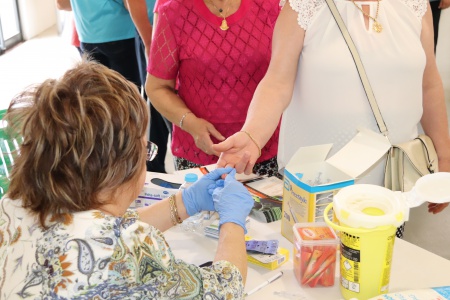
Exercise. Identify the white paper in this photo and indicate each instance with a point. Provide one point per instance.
(364, 150)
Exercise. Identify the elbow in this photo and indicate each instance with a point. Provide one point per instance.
(63, 5)
(149, 87)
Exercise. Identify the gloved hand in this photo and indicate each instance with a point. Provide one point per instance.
(196, 197)
(233, 202)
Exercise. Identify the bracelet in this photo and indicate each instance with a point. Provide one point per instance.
(253, 139)
(182, 118)
(174, 211)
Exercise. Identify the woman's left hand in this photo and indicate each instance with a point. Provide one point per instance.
(435, 208)
(444, 4)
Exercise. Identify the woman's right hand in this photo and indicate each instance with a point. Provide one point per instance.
(239, 152)
(233, 201)
(201, 131)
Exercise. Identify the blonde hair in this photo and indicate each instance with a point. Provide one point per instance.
(82, 134)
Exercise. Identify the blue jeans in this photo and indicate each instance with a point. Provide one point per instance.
(119, 56)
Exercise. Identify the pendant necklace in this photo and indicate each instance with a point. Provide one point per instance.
(377, 27)
(224, 25)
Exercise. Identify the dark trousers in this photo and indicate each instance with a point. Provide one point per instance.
(160, 127)
(119, 56)
(436, 11)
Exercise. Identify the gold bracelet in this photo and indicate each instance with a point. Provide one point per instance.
(174, 211)
(253, 139)
(182, 118)
(172, 215)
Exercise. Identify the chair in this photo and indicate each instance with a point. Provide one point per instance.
(7, 146)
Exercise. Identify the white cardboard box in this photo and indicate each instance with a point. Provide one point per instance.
(311, 180)
(157, 186)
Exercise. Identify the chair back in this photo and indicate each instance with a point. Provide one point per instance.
(8, 145)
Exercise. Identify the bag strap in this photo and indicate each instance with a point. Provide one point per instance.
(359, 65)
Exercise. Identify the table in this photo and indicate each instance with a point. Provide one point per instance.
(412, 267)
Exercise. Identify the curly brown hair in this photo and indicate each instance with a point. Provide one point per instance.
(82, 134)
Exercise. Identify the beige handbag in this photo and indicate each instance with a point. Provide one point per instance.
(409, 161)
(406, 162)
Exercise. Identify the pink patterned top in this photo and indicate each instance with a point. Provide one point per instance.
(217, 71)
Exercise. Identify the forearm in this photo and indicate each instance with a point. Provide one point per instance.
(275, 90)
(434, 119)
(232, 247)
(266, 107)
(159, 214)
(435, 124)
(165, 100)
(138, 12)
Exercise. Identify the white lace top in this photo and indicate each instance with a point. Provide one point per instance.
(308, 9)
(329, 102)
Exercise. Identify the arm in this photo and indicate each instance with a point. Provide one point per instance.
(190, 201)
(444, 4)
(63, 5)
(158, 214)
(170, 105)
(271, 97)
(233, 203)
(434, 119)
(232, 247)
(138, 12)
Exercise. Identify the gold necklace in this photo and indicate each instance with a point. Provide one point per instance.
(224, 25)
(376, 26)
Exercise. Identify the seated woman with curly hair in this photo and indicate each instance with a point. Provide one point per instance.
(65, 228)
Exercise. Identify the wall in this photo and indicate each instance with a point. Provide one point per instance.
(36, 16)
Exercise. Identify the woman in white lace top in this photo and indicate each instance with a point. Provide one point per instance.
(312, 79)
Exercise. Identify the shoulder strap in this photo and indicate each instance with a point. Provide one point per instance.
(362, 73)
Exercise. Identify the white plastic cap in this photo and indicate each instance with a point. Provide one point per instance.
(369, 206)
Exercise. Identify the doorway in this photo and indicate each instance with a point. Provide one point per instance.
(10, 31)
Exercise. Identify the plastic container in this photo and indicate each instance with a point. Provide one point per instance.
(195, 222)
(368, 217)
(189, 179)
(315, 248)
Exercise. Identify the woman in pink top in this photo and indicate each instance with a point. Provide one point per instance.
(217, 51)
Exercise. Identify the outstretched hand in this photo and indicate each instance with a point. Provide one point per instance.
(239, 152)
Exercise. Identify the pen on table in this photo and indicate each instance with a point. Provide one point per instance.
(265, 283)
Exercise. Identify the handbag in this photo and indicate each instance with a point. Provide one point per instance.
(408, 161)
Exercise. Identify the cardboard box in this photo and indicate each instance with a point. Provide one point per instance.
(268, 261)
(157, 186)
(311, 180)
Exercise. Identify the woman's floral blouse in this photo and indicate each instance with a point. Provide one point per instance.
(94, 256)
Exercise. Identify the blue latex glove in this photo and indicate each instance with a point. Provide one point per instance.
(212, 187)
(233, 202)
(196, 197)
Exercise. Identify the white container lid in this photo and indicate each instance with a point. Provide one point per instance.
(434, 187)
(369, 206)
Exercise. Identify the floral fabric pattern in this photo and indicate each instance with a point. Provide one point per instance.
(94, 256)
